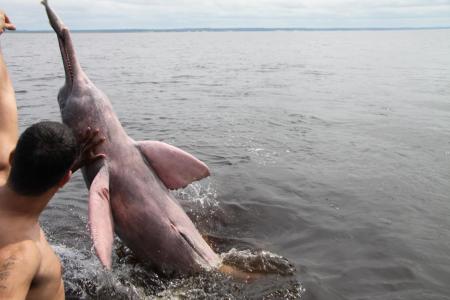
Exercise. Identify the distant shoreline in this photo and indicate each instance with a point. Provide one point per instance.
(241, 29)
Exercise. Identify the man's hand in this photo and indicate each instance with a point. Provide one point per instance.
(87, 153)
(5, 23)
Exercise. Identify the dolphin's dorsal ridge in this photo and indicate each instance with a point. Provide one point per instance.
(100, 217)
(175, 167)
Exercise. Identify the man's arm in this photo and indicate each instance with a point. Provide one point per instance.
(19, 264)
(8, 109)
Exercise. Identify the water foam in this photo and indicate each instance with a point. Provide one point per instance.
(85, 278)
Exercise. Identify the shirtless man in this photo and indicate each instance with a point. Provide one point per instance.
(32, 170)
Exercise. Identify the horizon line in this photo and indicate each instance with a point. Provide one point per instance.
(243, 29)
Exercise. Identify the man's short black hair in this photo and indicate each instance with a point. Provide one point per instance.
(43, 156)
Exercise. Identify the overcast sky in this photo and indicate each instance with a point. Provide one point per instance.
(157, 14)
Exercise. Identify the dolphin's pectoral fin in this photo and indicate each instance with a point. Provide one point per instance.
(100, 217)
(174, 167)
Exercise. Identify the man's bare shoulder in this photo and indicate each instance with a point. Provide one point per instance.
(26, 248)
(24, 253)
(19, 263)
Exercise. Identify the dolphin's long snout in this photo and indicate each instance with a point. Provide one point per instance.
(71, 65)
(55, 22)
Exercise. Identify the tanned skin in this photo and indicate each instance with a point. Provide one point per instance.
(29, 268)
(8, 110)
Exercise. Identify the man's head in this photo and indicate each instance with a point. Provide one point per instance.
(42, 159)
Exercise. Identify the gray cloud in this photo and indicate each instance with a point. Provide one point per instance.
(89, 14)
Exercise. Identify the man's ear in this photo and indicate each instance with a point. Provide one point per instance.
(65, 179)
(11, 157)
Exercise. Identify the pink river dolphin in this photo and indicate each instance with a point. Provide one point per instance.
(129, 189)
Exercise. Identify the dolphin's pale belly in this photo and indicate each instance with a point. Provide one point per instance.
(151, 222)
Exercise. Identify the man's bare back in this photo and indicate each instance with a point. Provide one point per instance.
(29, 268)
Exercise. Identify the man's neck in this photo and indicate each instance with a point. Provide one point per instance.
(13, 204)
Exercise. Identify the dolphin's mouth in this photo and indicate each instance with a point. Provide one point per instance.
(67, 56)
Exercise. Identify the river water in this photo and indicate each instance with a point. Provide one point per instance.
(329, 152)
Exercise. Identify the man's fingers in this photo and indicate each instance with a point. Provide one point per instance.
(10, 26)
(91, 134)
(98, 142)
(94, 142)
(86, 136)
(95, 133)
(88, 133)
(83, 135)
